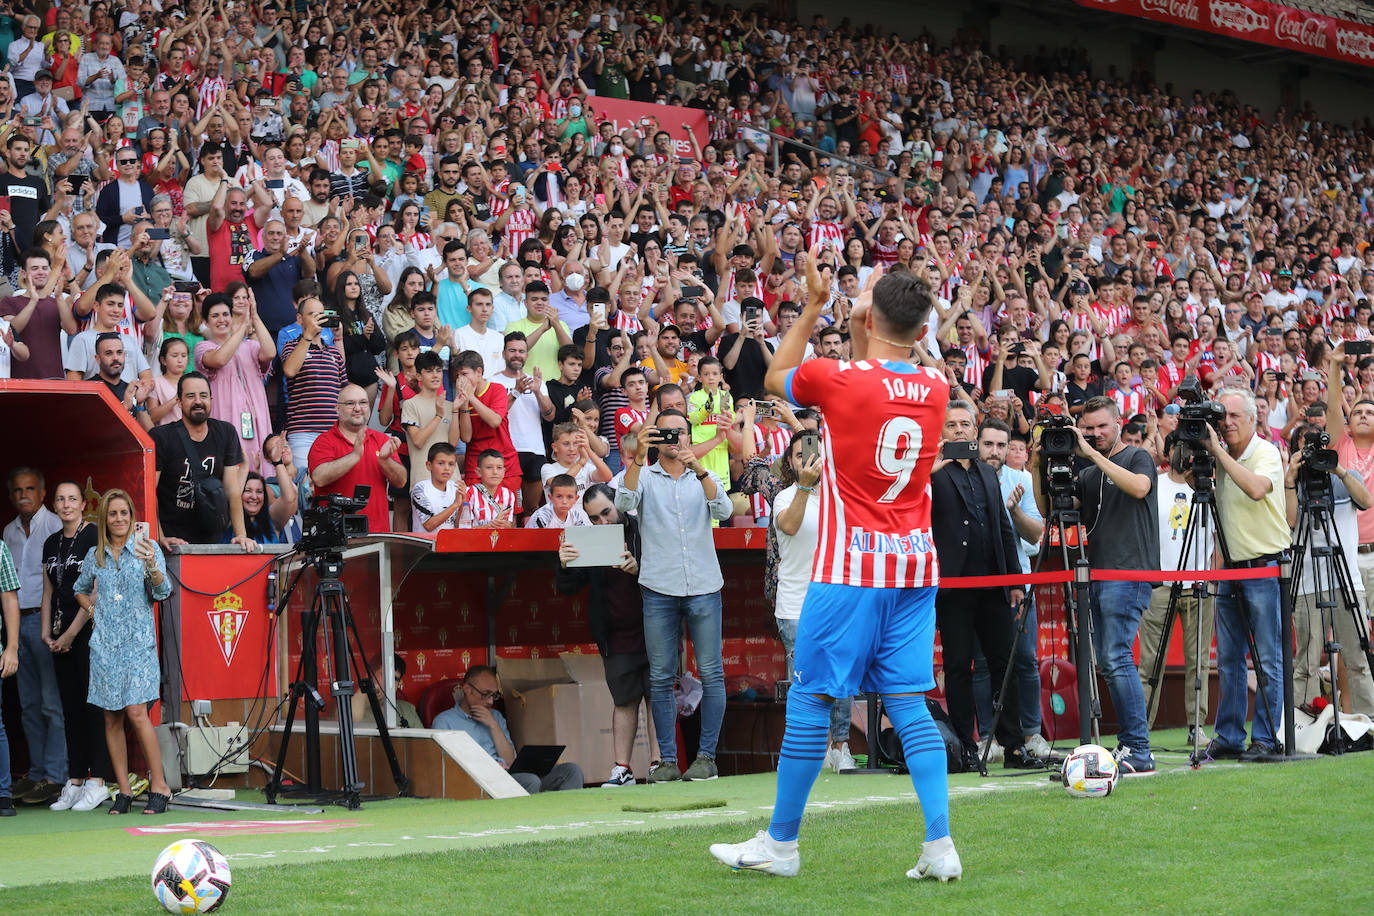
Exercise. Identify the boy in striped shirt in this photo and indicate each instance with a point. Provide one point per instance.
(487, 504)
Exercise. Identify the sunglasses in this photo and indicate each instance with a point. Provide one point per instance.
(127, 161)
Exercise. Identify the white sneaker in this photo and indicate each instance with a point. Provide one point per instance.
(70, 793)
(839, 759)
(620, 776)
(1037, 746)
(995, 752)
(938, 860)
(93, 795)
(757, 855)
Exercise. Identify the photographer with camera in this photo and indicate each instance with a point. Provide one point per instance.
(1250, 509)
(974, 536)
(1311, 478)
(676, 499)
(1118, 484)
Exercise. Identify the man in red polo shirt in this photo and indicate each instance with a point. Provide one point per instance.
(349, 455)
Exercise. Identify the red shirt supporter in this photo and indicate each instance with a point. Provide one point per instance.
(483, 422)
(350, 455)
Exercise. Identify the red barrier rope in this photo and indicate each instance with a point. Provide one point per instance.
(1061, 576)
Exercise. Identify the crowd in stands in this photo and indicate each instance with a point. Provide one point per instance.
(323, 244)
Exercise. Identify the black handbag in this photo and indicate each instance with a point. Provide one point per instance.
(211, 500)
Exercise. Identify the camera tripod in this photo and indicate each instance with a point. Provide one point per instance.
(1063, 521)
(1331, 581)
(330, 603)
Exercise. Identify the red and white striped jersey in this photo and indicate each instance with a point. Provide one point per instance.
(827, 233)
(626, 418)
(624, 321)
(770, 444)
(480, 507)
(883, 255)
(1131, 402)
(499, 205)
(208, 91)
(875, 489)
(417, 241)
(732, 294)
(520, 226)
(1265, 361)
(977, 364)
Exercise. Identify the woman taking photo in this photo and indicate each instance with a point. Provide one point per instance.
(235, 358)
(126, 574)
(67, 633)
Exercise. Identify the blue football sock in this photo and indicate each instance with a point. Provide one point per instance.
(925, 758)
(803, 753)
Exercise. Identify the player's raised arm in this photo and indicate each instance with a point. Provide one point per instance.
(793, 346)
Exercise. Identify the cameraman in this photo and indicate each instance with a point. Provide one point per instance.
(1250, 509)
(1118, 487)
(1347, 494)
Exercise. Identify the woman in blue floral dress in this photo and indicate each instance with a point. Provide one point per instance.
(124, 667)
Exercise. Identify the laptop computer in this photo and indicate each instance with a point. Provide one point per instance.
(537, 759)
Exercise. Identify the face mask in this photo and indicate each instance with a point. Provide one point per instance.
(617, 149)
(574, 111)
(574, 282)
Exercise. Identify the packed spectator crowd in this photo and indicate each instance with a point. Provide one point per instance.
(332, 244)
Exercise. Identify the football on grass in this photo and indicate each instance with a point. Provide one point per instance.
(191, 876)
(1089, 772)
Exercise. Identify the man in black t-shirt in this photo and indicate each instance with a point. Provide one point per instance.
(109, 359)
(217, 451)
(30, 203)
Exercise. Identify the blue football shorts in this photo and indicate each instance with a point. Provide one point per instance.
(854, 639)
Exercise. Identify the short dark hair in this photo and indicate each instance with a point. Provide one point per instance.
(429, 359)
(193, 374)
(903, 300)
(569, 351)
(440, 448)
(489, 453)
(468, 359)
(110, 289)
(562, 480)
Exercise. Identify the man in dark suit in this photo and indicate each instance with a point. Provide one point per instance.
(974, 537)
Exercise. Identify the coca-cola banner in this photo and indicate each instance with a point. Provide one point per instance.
(648, 119)
(1259, 22)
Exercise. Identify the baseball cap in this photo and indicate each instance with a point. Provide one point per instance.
(1172, 409)
(1283, 272)
(42, 75)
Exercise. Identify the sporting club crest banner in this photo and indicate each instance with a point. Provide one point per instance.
(224, 631)
(1257, 21)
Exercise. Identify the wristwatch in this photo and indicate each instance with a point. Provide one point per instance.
(702, 475)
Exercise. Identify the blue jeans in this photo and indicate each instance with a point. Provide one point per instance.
(663, 619)
(1259, 598)
(1116, 611)
(613, 461)
(842, 709)
(41, 703)
(1026, 668)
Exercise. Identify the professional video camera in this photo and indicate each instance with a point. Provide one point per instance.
(1318, 457)
(1198, 413)
(327, 525)
(1057, 445)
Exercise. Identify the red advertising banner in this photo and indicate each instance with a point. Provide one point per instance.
(648, 119)
(224, 635)
(1257, 21)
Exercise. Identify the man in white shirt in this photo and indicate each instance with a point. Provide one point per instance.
(529, 407)
(39, 699)
(478, 335)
